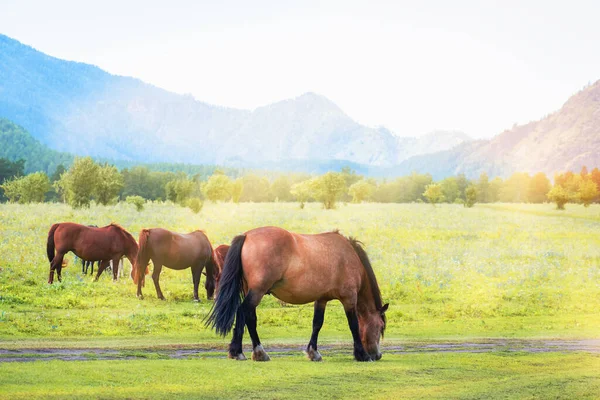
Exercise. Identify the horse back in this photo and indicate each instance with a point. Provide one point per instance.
(301, 268)
(88, 243)
(177, 250)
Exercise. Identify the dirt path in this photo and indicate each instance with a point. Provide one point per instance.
(186, 352)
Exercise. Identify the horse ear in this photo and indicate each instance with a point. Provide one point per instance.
(384, 308)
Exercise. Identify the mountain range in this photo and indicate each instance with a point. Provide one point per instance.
(80, 109)
(565, 140)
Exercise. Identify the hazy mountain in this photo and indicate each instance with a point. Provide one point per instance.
(564, 140)
(79, 108)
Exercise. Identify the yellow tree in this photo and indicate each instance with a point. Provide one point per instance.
(433, 193)
(361, 191)
(587, 192)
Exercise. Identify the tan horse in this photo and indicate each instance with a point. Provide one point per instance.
(93, 244)
(176, 251)
(298, 269)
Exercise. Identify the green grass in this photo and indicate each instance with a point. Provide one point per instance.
(447, 271)
(458, 376)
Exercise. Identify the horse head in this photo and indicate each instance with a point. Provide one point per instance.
(372, 328)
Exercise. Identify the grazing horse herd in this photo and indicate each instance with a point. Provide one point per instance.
(295, 268)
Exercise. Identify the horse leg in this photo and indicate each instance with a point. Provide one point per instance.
(311, 350)
(155, 275)
(196, 273)
(246, 316)
(248, 307)
(54, 265)
(101, 267)
(115, 268)
(359, 351)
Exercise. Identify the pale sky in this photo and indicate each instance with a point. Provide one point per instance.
(411, 66)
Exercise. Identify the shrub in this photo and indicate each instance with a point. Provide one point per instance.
(195, 204)
(137, 201)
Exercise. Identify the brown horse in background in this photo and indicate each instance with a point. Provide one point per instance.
(219, 255)
(92, 244)
(176, 251)
(298, 269)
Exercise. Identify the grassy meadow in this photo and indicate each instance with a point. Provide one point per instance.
(448, 272)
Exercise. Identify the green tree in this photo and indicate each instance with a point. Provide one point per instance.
(350, 178)
(60, 169)
(180, 190)
(12, 189)
(109, 184)
(433, 193)
(463, 183)
(137, 201)
(450, 189)
(539, 186)
(9, 170)
(328, 188)
(301, 191)
(31, 188)
(218, 188)
(78, 184)
(195, 204)
(470, 196)
(361, 190)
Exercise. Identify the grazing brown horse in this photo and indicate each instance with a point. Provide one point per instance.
(176, 251)
(298, 269)
(92, 244)
(219, 255)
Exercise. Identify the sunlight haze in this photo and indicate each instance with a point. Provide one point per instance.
(413, 67)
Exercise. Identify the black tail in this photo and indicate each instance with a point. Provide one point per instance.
(231, 290)
(50, 243)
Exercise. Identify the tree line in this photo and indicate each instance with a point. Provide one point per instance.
(87, 181)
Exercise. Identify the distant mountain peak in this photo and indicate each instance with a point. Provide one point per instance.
(81, 109)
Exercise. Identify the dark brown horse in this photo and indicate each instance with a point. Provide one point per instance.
(176, 251)
(92, 244)
(219, 255)
(298, 269)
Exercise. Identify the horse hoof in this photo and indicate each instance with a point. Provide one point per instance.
(312, 354)
(141, 297)
(238, 357)
(259, 354)
(196, 300)
(362, 357)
